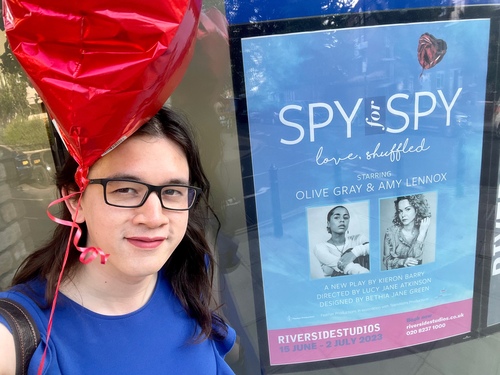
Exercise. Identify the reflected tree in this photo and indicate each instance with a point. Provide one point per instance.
(13, 85)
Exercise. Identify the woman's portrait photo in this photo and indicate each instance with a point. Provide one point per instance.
(338, 240)
(409, 239)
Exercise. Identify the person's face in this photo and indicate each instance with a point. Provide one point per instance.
(339, 221)
(139, 240)
(406, 212)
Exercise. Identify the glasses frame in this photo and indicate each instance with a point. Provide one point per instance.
(151, 188)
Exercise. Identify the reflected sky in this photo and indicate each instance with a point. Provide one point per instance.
(253, 11)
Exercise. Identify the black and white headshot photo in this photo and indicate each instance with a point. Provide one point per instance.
(338, 240)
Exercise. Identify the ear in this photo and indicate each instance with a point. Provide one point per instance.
(73, 205)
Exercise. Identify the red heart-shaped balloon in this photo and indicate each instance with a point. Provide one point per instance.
(102, 67)
(430, 50)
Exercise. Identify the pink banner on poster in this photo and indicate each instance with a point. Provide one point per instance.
(338, 340)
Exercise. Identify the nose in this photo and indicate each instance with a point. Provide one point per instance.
(151, 213)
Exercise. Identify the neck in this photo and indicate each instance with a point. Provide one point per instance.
(409, 227)
(105, 294)
(337, 239)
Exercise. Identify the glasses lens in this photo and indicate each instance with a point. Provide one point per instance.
(178, 197)
(125, 193)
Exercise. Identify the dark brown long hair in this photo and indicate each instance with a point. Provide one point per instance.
(190, 268)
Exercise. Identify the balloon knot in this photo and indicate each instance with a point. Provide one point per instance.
(81, 177)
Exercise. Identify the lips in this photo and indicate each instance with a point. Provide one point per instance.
(146, 242)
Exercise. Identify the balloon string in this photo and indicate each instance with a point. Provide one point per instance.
(88, 254)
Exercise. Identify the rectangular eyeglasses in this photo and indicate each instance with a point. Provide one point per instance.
(131, 194)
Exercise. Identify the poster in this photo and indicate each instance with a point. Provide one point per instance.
(493, 316)
(382, 127)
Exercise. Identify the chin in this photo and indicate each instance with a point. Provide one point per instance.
(143, 268)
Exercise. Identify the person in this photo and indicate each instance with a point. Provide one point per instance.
(404, 240)
(338, 255)
(147, 310)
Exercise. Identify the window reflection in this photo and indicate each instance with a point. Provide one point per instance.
(26, 167)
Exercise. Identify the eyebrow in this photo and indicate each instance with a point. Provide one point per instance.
(123, 176)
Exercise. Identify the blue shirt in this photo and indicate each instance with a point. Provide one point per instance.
(156, 339)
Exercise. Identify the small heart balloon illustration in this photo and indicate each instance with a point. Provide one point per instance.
(430, 51)
(102, 67)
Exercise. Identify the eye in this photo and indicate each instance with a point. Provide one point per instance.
(124, 188)
(173, 192)
(124, 191)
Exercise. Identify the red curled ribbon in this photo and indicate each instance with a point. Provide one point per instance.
(88, 253)
(87, 256)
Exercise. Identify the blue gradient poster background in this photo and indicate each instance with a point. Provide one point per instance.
(350, 117)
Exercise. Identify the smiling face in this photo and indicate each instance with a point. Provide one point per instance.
(139, 240)
(339, 220)
(406, 212)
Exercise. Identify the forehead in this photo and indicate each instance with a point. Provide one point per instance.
(147, 158)
(340, 211)
(404, 203)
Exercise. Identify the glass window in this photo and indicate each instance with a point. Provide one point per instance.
(221, 116)
(26, 167)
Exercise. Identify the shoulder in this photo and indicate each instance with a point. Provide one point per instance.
(225, 345)
(357, 239)
(322, 246)
(29, 297)
(8, 357)
(393, 229)
(226, 350)
(322, 249)
(7, 345)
